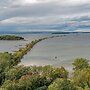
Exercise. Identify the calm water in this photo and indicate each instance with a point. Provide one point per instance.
(66, 49)
(10, 46)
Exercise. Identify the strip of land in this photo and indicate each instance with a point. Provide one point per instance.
(19, 54)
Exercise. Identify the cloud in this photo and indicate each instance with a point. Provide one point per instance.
(43, 14)
(42, 10)
(42, 24)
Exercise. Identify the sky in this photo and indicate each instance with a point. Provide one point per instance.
(44, 15)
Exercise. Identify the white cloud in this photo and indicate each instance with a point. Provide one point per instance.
(82, 30)
(18, 20)
(11, 3)
(76, 2)
(46, 12)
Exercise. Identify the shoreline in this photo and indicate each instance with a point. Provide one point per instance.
(19, 54)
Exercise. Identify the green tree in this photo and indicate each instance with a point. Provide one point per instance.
(9, 85)
(80, 63)
(5, 63)
(61, 84)
(82, 78)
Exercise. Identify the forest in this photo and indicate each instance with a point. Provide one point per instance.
(19, 77)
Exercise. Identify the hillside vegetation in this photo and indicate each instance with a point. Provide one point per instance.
(14, 77)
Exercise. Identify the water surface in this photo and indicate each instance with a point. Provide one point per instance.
(59, 51)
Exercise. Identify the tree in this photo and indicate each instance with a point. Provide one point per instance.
(5, 63)
(9, 85)
(82, 78)
(80, 63)
(61, 84)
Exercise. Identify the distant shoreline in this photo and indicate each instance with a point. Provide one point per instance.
(19, 54)
(44, 32)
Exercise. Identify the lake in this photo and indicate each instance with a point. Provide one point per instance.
(58, 51)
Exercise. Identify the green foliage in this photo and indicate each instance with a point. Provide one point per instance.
(61, 84)
(82, 78)
(42, 78)
(82, 73)
(31, 82)
(5, 63)
(53, 73)
(42, 88)
(5, 59)
(11, 37)
(80, 63)
(17, 72)
(30, 78)
(9, 85)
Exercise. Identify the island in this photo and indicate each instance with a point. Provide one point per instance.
(10, 37)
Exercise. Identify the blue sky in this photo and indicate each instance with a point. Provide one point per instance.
(44, 15)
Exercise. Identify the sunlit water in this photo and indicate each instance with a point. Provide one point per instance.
(59, 51)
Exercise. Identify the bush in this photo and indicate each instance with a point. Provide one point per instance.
(80, 63)
(61, 84)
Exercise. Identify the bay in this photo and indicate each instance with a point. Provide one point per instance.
(60, 51)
